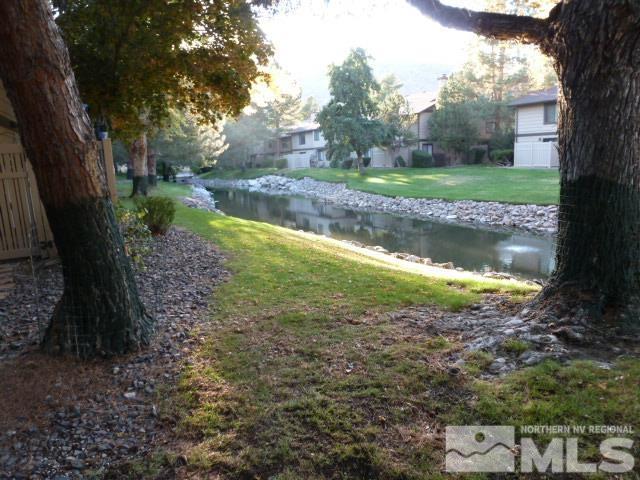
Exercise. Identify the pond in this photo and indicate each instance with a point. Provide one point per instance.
(521, 254)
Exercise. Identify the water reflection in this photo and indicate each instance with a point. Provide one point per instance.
(524, 255)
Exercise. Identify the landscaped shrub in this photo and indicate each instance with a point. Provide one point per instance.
(476, 155)
(137, 236)
(420, 159)
(347, 164)
(281, 163)
(399, 161)
(366, 161)
(440, 160)
(157, 213)
(334, 163)
(504, 155)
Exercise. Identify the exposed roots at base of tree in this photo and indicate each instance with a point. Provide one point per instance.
(74, 332)
(580, 316)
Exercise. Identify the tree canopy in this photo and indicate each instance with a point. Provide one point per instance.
(135, 60)
(349, 121)
(455, 123)
(186, 142)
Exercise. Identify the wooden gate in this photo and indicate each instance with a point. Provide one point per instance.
(24, 229)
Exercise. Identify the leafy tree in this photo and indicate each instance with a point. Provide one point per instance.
(349, 121)
(280, 113)
(594, 47)
(454, 124)
(243, 136)
(136, 60)
(309, 109)
(395, 114)
(100, 312)
(186, 142)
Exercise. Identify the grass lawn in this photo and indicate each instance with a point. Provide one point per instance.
(510, 185)
(303, 376)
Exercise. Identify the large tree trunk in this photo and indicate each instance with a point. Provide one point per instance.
(595, 45)
(100, 311)
(139, 159)
(596, 48)
(151, 167)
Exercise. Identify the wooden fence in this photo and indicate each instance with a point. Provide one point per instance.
(24, 229)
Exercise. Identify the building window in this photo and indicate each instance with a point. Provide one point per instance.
(316, 135)
(427, 147)
(284, 143)
(301, 139)
(550, 113)
(270, 144)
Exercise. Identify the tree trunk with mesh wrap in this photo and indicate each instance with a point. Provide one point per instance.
(596, 48)
(100, 312)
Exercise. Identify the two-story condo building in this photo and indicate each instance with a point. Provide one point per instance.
(308, 147)
(536, 131)
(304, 145)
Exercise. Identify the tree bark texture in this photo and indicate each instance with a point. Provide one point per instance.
(359, 163)
(152, 157)
(138, 152)
(595, 45)
(596, 49)
(100, 311)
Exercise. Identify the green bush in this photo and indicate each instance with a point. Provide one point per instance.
(157, 213)
(420, 159)
(399, 161)
(366, 161)
(503, 155)
(476, 155)
(334, 163)
(347, 164)
(281, 163)
(136, 234)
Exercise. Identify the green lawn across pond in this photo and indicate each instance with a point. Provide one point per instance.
(509, 185)
(302, 374)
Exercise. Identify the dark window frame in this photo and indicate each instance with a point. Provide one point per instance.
(302, 139)
(546, 119)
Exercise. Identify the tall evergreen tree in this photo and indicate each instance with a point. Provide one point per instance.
(280, 113)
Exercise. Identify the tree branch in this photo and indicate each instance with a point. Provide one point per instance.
(495, 25)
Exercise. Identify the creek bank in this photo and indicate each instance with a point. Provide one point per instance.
(407, 257)
(533, 218)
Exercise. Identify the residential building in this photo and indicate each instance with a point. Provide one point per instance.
(307, 147)
(536, 130)
(304, 145)
(422, 105)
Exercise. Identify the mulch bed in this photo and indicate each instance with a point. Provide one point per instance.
(62, 418)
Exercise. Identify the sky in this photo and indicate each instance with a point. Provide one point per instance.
(310, 36)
